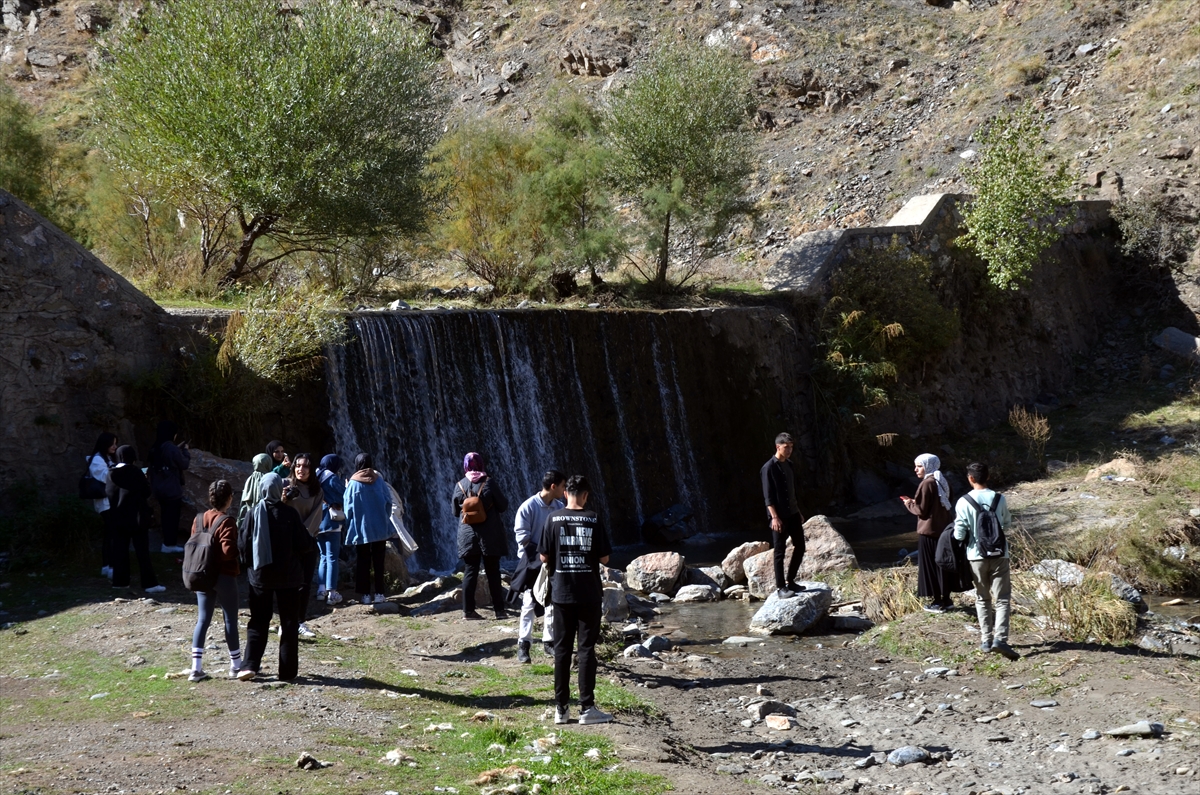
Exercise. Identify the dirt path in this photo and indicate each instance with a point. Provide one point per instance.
(850, 701)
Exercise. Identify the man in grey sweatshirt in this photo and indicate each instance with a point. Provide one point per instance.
(531, 518)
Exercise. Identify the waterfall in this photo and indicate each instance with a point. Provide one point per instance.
(653, 407)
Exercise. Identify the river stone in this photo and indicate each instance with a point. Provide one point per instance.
(707, 575)
(1043, 703)
(780, 723)
(732, 564)
(697, 593)
(762, 709)
(637, 650)
(656, 643)
(907, 755)
(1061, 571)
(1091, 734)
(424, 591)
(658, 571)
(614, 607)
(851, 623)
(741, 640)
(1142, 728)
(1123, 590)
(795, 614)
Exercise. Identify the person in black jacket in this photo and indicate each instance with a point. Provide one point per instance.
(485, 540)
(274, 545)
(128, 493)
(168, 460)
(779, 492)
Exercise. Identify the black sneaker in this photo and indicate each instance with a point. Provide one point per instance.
(523, 652)
(472, 616)
(548, 648)
(1005, 651)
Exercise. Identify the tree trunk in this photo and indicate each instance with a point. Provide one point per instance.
(664, 255)
(258, 226)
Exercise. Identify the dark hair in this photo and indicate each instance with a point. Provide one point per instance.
(219, 493)
(784, 438)
(578, 484)
(103, 442)
(978, 472)
(552, 478)
(272, 446)
(363, 461)
(312, 470)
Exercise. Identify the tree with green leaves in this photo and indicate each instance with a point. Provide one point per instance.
(1020, 207)
(25, 154)
(303, 126)
(680, 146)
(568, 193)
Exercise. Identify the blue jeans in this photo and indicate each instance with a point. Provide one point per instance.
(226, 594)
(330, 545)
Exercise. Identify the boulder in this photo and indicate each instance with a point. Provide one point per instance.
(513, 71)
(907, 755)
(1061, 571)
(697, 593)
(206, 468)
(639, 607)
(658, 571)
(825, 549)
(732, 565)
(614, 607)
(91, 18)
(447, 602)
(656, 643)
(795, 614)
(422, 592)
(611, 575)
(636, 650)
(1120, 467)
(707, 575)
(762, 709)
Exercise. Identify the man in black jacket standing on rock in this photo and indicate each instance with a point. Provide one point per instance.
(779, 491)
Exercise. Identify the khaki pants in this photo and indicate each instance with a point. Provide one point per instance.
(993, 590)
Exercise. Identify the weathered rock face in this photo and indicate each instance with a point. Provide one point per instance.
(657, 572)
(707, 575)
(697, 593)
(73, 332)
(206, 468)
(795, 614)
(825, 549)
(732, 564)
(615, 607)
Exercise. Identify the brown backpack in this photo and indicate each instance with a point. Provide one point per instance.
(472, 507)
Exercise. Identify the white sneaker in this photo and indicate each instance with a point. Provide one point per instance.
(333, 598)
(106, 571)
(245, 674)
(320, 592)
(562, 716)
(593, 715)
(380, 598)
(368, 599)
(305, 632)
(233, 671)
(784, 593)
(197, 676)
(166, 550)
(156, 589)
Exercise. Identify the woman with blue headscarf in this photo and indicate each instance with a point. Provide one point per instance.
(329, 533)
(931, 506)
(277, 541)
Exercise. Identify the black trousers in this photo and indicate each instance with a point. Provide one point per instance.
(931, 580)
(122, 534)
(169, 509)
(569, 621)
(793, 528)
(491, 567)
(108, 551)
(309, 564)
(366, 557)
(263, 602)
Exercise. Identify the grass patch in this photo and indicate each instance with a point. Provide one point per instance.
(888, 594)
(1088, 612)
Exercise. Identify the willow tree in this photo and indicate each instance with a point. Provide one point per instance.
(295, 126)
(680, 145)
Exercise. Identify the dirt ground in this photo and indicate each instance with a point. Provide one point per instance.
(852, 700)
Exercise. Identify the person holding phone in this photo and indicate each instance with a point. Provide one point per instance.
(282, 461)
(932, 507)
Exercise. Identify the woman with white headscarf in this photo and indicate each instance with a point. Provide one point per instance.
(277, 542)
(932, 507)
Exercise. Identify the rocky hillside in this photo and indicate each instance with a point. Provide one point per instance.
(862, 103)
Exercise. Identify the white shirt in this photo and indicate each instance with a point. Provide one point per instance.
(531, 518)
(98, 468)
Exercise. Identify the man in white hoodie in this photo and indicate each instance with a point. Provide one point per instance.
(531, 518)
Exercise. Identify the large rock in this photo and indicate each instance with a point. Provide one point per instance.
(658, 571)
(614, 607)
(707, 575)
(1061, 571)
(825, 549)
(732, 565)
(697, 593)
(1118, 467)
(206, 468)
(795, 614)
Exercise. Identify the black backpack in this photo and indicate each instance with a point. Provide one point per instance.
(202, 556)
(989, 535)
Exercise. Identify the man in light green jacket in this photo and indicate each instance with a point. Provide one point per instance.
(992, 576)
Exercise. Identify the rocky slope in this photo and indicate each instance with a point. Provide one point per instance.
(862, 103)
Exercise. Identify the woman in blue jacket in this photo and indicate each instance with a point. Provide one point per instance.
(368, 527)
(329, 534)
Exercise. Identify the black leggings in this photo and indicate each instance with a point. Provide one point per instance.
(368, 556)
(169, 509)
(491, 567)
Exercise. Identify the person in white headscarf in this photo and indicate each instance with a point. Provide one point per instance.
(277, 543)
(931, 505)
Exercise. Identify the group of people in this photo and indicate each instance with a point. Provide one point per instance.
(938, 524)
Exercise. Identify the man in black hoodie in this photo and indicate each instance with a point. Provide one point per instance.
(128, 493)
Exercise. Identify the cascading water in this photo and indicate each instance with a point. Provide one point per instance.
(653, 407)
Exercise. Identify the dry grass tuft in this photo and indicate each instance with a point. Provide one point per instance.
(888, 594)
(1089, 611)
